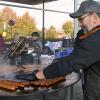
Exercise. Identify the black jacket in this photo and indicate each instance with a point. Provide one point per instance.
(85, 56)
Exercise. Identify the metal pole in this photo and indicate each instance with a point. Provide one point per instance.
(43, 34)
(11, 32)
(45, 95)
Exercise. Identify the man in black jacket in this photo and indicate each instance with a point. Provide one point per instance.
(35, 46)
(86, 55)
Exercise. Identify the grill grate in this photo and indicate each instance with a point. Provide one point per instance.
(44, 83)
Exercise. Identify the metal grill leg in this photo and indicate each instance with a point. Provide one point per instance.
(68, 93)
(45, 95)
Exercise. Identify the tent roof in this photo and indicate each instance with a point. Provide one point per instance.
(32, 2)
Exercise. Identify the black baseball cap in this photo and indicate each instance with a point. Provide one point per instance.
(34, 34)
(88, 6)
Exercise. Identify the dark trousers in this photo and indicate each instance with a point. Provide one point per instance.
(91, 86)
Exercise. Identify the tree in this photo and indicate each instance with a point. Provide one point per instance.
(68, 28)
(1, 24)
(7, 14)
(51, 33)
(25, 24)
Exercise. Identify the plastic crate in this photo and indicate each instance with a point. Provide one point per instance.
(63, 52)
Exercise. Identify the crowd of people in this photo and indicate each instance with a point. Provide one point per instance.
(28, 50)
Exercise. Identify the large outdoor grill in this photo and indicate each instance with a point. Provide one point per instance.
(14, 89)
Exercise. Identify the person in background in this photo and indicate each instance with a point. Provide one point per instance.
(86, 54)
(2, 45)
(66, 42)
(15, 39)
(35, 47)
(36, 43)
(12, 47)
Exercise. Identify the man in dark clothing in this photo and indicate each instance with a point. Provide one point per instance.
(35, 42)
(35, 45)
(12, 48)
(86, 55)
(15, 50)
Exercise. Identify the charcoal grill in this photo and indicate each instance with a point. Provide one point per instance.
(31, 90)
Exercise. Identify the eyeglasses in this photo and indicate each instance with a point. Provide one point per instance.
(80, 19)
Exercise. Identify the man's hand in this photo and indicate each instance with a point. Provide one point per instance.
(40, 74)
